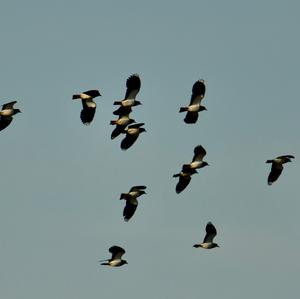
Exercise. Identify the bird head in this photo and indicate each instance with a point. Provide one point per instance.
(202, 108)
(136, 103)
(204, 164)
(17, 111)
(142, 130)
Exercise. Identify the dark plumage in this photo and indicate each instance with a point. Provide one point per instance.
(184, 178)
(133, 85)
(121, 125)
(208, 243)
(131, 200)
(88, 105)
(6, 114)
(277, 167)
(132, 134)
(192, 110)
(116, 258)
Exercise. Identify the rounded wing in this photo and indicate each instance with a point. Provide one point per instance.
(133, 85)
(211, 232)
(5, 122)
(276, 170)
(116, 252)
(199, 153)
(129, 210)
(198, 92)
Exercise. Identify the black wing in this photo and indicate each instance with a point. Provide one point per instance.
(198, 92)
(137, 188)
(128, 141)
(9, 105)
(93, 93)
(129, 210)
(87, 115)
(211, 232)
(191, 117)
(5, 122)
(182, 183)
(276, 170)
(199, 153)
(133, 85)
(122, 110)
(116, 252)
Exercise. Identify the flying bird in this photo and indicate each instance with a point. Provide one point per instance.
(277, 167)
(6, 114)
(195, 106)
(133, 85)
(116, 258)
(197, 162)
(121, 125)
(132, 134)
(208, 243)
(88, 105)
(131, 200)
(184, 178)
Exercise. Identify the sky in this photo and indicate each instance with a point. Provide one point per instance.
(61, 181)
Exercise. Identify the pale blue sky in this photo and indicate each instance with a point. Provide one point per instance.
(61, 181)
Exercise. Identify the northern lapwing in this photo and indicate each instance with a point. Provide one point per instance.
(132, 133)
(116, 258)
(121, 123)
(208, 243)
(88, 105)
(195, 106)
(197, 162)
(277, 167)
(7, 113)
(131, 200)
(185, 177)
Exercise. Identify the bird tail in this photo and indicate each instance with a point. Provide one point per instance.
(183, 109)
(176, 175)
(117, 102)
(76, 96)
(113, 122)
(269, 161)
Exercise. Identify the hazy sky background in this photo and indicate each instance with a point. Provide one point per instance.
(61, 181)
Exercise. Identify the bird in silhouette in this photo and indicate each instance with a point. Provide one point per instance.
(132, 133)
(133, 85)
(7, 113)
(121, 125)
(184, 177)
(208, 243)
(197, 162)
(277, 167)
(88, 105)
(116, 258)
(195, 106)
(131, 200)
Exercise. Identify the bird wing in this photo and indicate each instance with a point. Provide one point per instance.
(9, 105)
(116, 252)
(87, 113)
(5, 121)
(92, 93)
(129, 209)
(136, 125)
(198, 92)
(285, 158)
(276, 170)
(128, 141)
(199, 153)
(191, 117)
(133, 85)
(134, 188)
(210, 233)
(117, 131)
(182, 183)
(122, 110)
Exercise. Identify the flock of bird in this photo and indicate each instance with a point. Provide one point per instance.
(126, 125)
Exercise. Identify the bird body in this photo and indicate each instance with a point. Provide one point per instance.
(208, 243)
(277, 167)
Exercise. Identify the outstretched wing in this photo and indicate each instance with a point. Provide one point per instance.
(199, 153)
(87, 113)
(134, 188)
(5, 121)
(133, 85)
(9, 105)
(129, 209)
(198, 92)
(191, 117)
(211, 232)
(276, 170)
(182, 183)
(116, 252)
(93, 93)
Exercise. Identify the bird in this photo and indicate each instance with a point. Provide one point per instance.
(133, 85)
(121, 123)
(132, 133)
(131, 200)
(208, 243)
(6, 114)
(184, 178)
(122, 110)
(88, 105)
(197, 162)
(277, 167)
(116, 258)
(195, 106)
